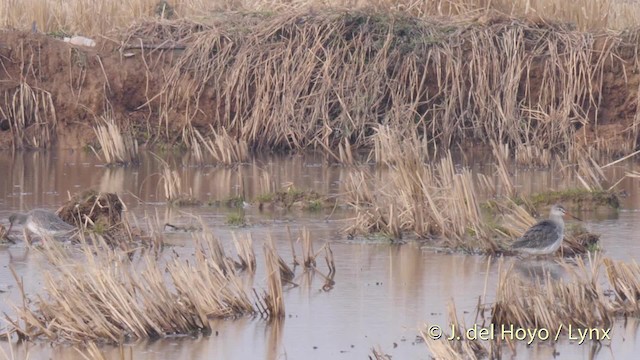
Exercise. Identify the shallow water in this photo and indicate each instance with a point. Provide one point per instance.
(383, 293)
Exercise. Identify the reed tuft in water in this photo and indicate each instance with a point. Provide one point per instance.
(116, 146)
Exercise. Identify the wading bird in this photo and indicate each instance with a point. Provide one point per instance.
(544, 237)
(41, 222)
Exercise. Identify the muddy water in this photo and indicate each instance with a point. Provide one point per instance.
(383, 293)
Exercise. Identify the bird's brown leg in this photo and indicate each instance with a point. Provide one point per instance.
(27, 236)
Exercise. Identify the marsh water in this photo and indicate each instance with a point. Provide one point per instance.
(383, 293)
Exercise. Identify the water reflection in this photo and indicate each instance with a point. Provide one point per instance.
(538, 270)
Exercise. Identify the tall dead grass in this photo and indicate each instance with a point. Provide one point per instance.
(324, 80)
(116, 147)
(32, 116)
(428, 200)
(79, 15)
(107, 295)
(223, 148)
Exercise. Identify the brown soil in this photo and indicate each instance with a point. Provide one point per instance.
(85, 82)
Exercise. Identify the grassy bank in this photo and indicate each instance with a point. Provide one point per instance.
(330, 81)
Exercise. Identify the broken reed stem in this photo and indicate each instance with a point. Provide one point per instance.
(274, 298)
(309, 259)
(246, 255)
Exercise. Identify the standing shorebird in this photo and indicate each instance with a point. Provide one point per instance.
(41, 222)
(544, 237)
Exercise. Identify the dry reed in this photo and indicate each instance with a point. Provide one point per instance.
(246, 256)
(425, 199)
(459, 346)
(107, 296)
(308, 85)
(553, 303)
(116, 147)
(79, 15)
(32, 116)
(221, 146)
(274, 298)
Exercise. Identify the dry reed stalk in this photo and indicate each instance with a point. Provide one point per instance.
(216, 252)
(345, 154)
(589, 172)
(378, 354)
(32, 116)
(501, 154)
(293, 249)
(403, 143)
(331, 265)
(527, 304)
(116, 148)
(624, 279)
(286, 273)
(91, 352)
(172, 184)
(308, 256)
(274, 298)
(457, 348)
(528, 155)
(221, 146)
(246, 256)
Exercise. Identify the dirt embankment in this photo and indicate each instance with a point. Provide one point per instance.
(300, 80)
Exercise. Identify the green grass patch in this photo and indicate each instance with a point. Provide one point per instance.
(236, 219)
(577, 198)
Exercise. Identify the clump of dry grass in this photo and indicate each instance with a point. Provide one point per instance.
(116, 147)
(459, 346)
(246, 255)
(105, 295)
(273, 299)
(32, 116)
(429, 200)
(172, 186)
(284, 87)
(554, 303)
(220, 145)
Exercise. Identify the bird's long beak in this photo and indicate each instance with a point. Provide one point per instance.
(575, 217)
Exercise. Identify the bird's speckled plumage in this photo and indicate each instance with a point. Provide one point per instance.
(544, 237)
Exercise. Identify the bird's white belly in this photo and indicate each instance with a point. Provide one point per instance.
(545, 250)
